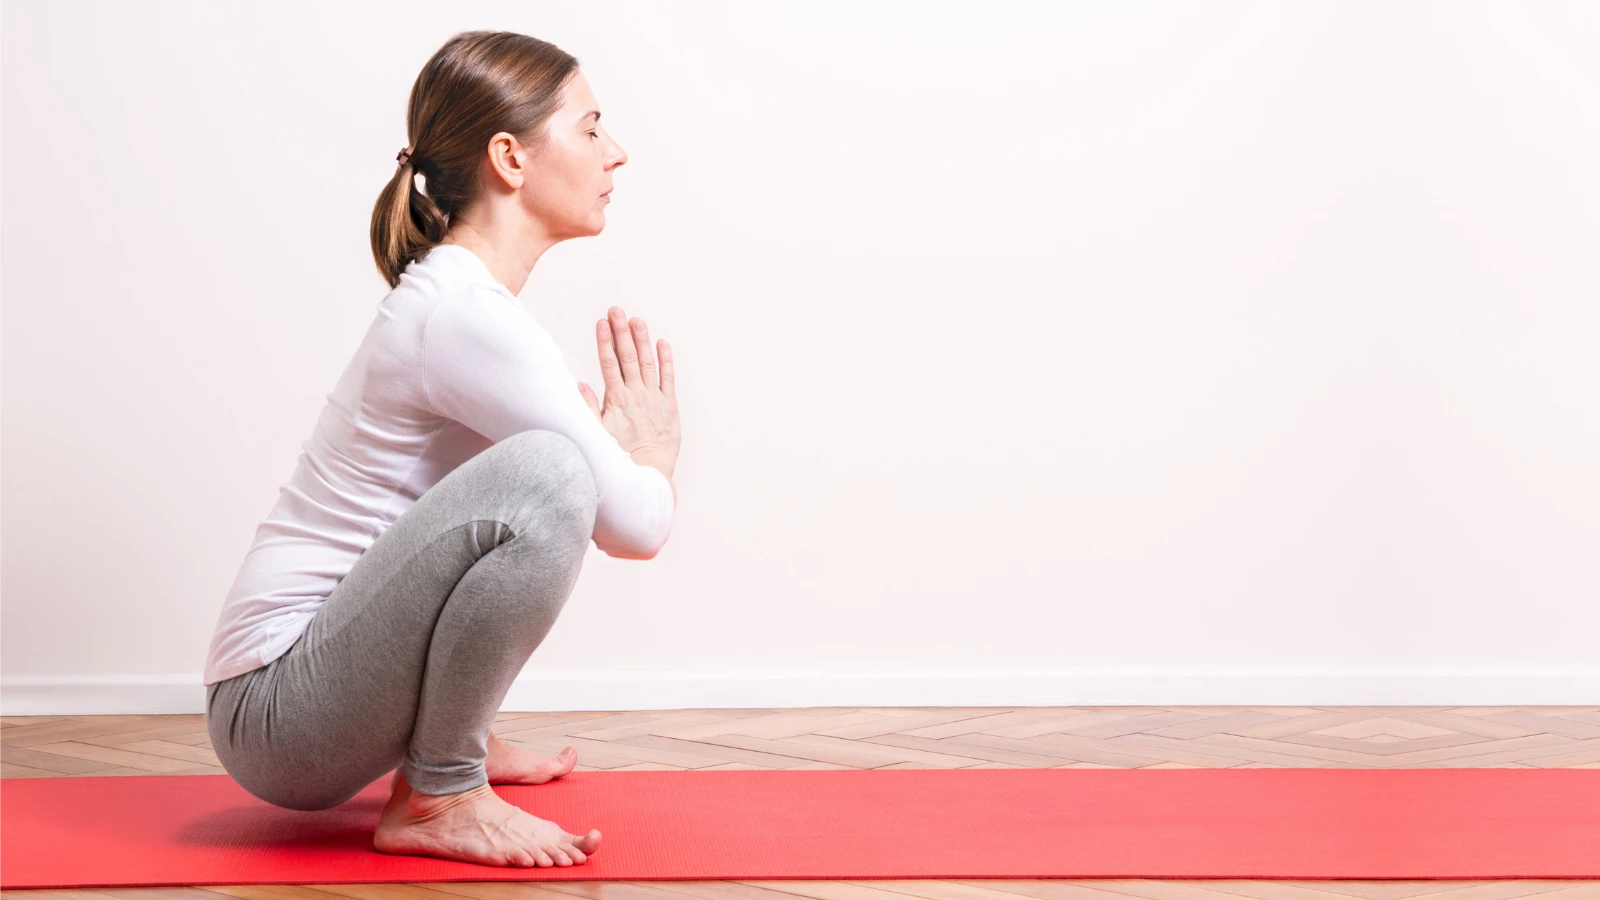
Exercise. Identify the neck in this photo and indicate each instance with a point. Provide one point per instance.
(509, 256)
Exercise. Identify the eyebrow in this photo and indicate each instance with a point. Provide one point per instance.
(592, 112)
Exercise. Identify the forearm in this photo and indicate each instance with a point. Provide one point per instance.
(662, 462)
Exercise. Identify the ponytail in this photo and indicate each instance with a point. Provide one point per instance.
(406, 223)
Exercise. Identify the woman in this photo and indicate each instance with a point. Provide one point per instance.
(438, 517)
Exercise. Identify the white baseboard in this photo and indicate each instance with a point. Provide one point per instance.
(542, 691)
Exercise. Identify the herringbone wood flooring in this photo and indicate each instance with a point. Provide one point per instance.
(880, 738)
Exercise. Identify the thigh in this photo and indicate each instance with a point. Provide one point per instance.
(313, 727)
(319, 723)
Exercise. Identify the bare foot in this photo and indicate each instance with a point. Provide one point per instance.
(510, 764)
(475, 826)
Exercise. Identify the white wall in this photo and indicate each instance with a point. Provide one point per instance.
(1041, 354)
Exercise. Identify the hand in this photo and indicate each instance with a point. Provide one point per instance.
(589, 398)
(641, 403)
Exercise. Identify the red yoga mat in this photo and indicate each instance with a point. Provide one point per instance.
(136, 831)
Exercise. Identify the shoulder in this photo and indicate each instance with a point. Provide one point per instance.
(479, 318)
(474, 306)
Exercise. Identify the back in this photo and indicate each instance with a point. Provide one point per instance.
(449, 342)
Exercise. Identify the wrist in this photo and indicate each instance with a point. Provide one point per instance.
(654, 457)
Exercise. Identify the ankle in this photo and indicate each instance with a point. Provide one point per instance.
(417, 801)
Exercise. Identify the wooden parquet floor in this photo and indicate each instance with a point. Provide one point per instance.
(896, 738)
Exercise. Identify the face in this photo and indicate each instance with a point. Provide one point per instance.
(569, 177)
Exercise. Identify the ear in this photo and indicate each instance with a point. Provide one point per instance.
(508, 159)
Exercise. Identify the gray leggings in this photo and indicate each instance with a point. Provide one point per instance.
(408, 660)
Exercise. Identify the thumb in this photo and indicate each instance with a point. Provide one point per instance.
(590, 398)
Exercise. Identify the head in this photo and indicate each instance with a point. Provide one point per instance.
(506, 135)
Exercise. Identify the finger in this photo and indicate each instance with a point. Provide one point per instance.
(610, 369)
(669, 381)
(589, 397)
(647, 357)
(627, 352)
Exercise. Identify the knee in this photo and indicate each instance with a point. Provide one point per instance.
(555, 471)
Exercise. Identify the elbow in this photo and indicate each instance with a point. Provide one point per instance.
(654, 547)
(639, 538)
(636, 549)
(632, 554)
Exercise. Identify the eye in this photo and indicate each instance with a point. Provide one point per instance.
(592, 134)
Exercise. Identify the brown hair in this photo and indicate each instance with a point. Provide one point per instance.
(477, 85)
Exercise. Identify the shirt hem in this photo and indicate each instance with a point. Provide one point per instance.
(258, 659)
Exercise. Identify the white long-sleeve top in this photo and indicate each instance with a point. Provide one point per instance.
(451, 364)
